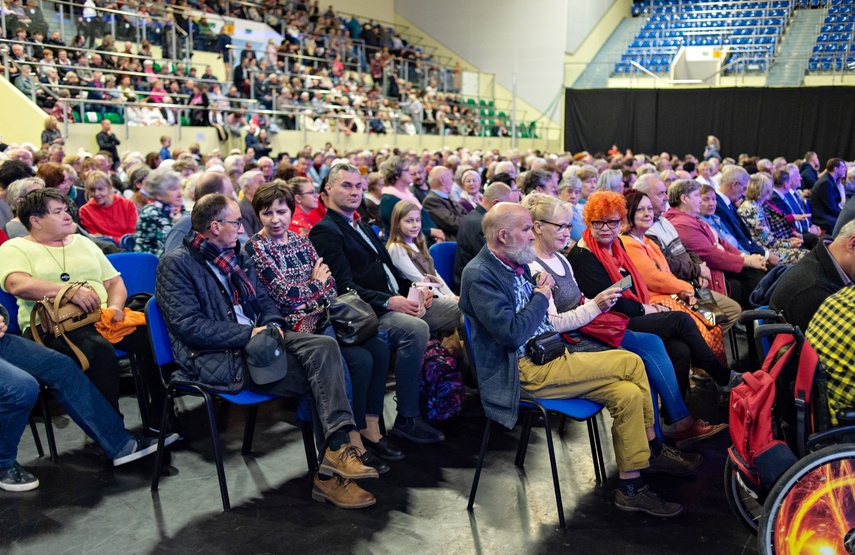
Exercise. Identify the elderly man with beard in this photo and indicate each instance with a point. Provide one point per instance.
(508, 307)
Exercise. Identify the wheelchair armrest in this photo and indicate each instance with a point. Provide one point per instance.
(772, 329)
(765, 314)
(846, 416)
(839, 434)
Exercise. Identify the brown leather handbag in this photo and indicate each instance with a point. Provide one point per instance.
(59, 315)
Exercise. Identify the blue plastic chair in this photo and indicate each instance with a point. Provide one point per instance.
(176, 387)
(138, 269)
(443, 260)
(127, 242)
(576, 409)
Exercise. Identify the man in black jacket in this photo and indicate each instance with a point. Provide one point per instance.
(827, 195)
(213, 303)
(108, 142)
(470, 236)
(826, 269)
(359, 261)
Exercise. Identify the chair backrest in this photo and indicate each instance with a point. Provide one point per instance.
(11, 304)
(105, 238)
(128, 241)
(467, 342)
(443, 259)
(161, 349)
(138, 269)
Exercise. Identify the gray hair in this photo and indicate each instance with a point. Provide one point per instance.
(230, 162)
(731, 174)
(248, 177)
(679, 188)
(645, 182)
(18, 190)
(610, 180)
(160, 180)
(332, 176)
(570, 182)
(846, 232)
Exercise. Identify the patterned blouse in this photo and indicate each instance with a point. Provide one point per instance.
(286, 271)
(153, 225)
(761, 232)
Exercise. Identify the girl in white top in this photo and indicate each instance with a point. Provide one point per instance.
(408, 250)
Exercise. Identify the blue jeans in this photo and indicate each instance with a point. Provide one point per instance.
(22, 364)
(660, 374)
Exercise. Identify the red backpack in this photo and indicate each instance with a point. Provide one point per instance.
(758, 455)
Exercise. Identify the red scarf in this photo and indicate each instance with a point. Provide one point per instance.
(619, 260)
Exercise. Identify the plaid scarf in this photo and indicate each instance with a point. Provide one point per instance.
(243, 293)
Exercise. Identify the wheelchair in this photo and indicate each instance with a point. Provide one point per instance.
(810, 507)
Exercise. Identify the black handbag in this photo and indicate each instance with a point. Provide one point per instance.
(544, 348)
(353, 320)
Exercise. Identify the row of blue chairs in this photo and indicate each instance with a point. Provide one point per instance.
(838, 28)
(834, 37)
(832, 47)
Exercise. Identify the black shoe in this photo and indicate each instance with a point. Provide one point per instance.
(416, 430)
(384, 449)
(369, 459)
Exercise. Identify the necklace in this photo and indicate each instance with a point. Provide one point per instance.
(64, 275)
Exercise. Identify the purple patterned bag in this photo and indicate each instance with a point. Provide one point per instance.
(441, 384)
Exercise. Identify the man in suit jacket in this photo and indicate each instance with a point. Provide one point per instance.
(828, 195)
(809, 168)
(445, 213)
(733, 181)
(470, 236)
(785, 198)
(359, 261)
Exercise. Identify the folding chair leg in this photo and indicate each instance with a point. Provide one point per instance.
(480, 464)
(594, 451)
(525, 437)
(48, 428)
(734, 346)
(161, 439)
(36, 437)
(600, 451)
(554, 468)
(309, 446)
(249, 429)
(141, 391)
(562, 420)
(218, 456)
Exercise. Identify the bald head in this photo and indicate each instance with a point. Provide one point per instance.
(494, 194)
(441, 179)
(213, 182)
(507, 230)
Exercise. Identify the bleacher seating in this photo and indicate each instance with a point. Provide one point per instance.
(749, 30)
(834, 49)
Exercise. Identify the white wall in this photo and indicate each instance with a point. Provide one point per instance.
(505, 38)
(582, 17)
(381, 10)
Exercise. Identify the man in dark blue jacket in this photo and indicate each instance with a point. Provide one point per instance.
(827, 195)
(733, 181)
(213, 303)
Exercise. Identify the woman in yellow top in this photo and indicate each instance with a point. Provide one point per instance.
(49, 257)
(653, 267)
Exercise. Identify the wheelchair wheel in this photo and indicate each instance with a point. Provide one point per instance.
(811, 509)
(742, 501)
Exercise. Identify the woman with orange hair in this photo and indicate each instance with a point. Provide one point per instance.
(599, 260)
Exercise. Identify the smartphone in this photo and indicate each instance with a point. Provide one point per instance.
(624, 284)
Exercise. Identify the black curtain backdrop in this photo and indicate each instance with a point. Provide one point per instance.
(766, 122)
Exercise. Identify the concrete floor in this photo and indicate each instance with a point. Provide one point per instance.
(85, 506)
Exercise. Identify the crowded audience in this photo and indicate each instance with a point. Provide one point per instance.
(292, 233)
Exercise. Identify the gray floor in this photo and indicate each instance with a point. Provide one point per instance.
(85, 506)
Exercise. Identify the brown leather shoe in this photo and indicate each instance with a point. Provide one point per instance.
(342, 493)
(346, 463)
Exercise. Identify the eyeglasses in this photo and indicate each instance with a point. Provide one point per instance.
(559, 227)
(599, 224)
(312, 192)
(238, 223)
